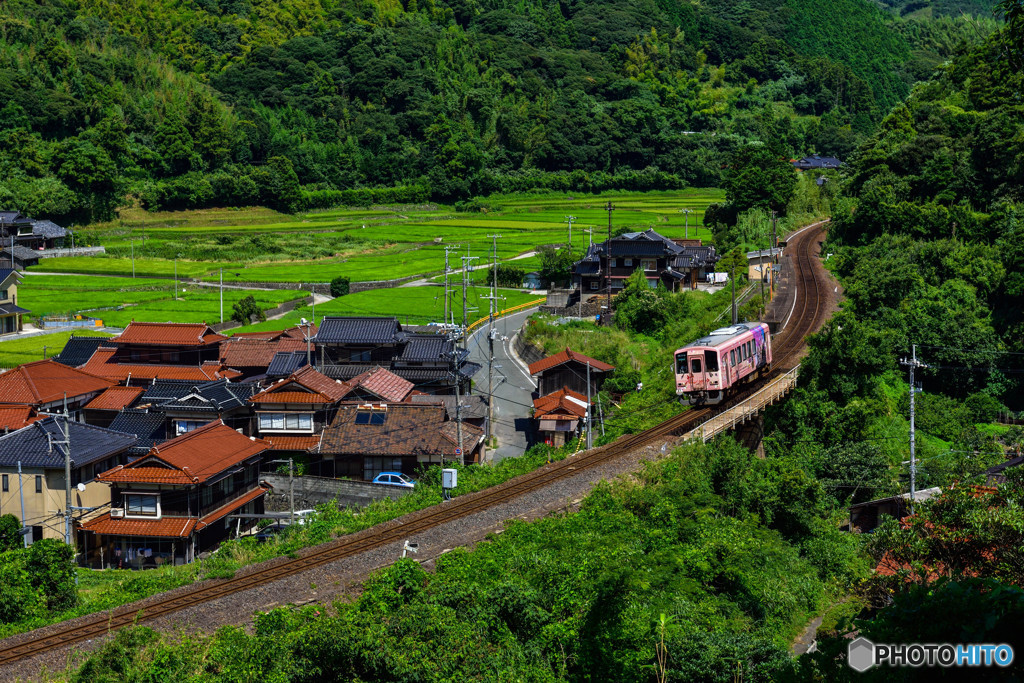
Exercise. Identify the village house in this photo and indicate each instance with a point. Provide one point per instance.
(31, 233)
(760, 264)
(568, 369)
(10, 312)
(177, 500)
(364, 440)
(559, 415)
(204, 403)
(816, 162)
(146, 351)
(48, 386)
(102, 410)
(678, 264)
(349, 346)
(252, 356)
(292, 412)
(32, 471)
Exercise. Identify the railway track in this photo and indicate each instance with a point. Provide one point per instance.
(807, 309)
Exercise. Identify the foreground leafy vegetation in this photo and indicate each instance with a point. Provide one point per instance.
(709, 556)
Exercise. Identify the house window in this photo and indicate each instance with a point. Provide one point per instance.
(593, 284)
(3, 294)
(39, 483)
(629, 262)
(374, 466)
(6, 484)
(360, 357)
(612, 263)
(185, 426)
(286, 421)
(169, 356)
(649, 264)
(374, 417)
(141, 505)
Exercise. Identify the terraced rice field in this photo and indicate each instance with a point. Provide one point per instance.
(369, 244)
(147, 300)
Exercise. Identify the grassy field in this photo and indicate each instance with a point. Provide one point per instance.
(256, 244)
(149, 300)
(27, 349)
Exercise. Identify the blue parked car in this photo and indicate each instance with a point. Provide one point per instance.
(394, 479)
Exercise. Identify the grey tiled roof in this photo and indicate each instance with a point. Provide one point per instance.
(473, 407)
(148, 427)
(422, 348)
(285, 363)
(47, 229)
(163, 390)
(22, 253)
(357, 330)
(11, 309)
(4, 272)
(695, 257)
(33, 445)
(79, 350)
(216, 396)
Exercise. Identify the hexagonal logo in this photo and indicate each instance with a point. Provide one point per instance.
(861, 654)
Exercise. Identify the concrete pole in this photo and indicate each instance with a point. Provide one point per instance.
(590, 411)
(291, 490)
(221, 295)
(913, 457)
(21, 494)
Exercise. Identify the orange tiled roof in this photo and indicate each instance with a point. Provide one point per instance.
(168, 334)
(46, 381)
(566, 356)
(256, 353)
(190, 458)
(323, 388)
(102, 364)
(562, 402)
(294, 443)
(386, 384)
(167, 527)
(115, 398)
(16, 417)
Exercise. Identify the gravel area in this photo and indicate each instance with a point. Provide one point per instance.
(343, 578)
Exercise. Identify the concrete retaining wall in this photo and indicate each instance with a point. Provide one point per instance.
(528, 352)
(312, 491)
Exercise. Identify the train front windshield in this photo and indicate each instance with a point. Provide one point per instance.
(681, 368)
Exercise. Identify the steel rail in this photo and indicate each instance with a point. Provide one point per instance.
(102, 623)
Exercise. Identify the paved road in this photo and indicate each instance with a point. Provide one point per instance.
(513, 385)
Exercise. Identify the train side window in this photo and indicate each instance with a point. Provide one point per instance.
(695, 365)
(732, 356)
(711, 361)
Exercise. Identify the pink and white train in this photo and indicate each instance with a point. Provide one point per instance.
(711, 368)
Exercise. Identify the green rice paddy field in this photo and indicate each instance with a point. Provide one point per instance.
(367, 244)
(14, 352)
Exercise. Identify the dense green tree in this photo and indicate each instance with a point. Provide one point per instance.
(51, 568)
(759, 178)
(10, 533)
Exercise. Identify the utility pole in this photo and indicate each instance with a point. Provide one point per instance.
(175, 277)
(775, 234)
(735, 318)
(490, 337)
(608, 262)
(912, 364)
(458, 400)
(221, 293)
(21, 494)
(590, 411)
(65, 445)
(590, 232)
(569, 220)
(465, 284)
(447, 270)
(133, 261)
(291, 491)
(686, 226)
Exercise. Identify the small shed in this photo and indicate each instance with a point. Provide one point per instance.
(569, 369)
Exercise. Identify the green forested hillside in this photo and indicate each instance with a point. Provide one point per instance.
(205, 102)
